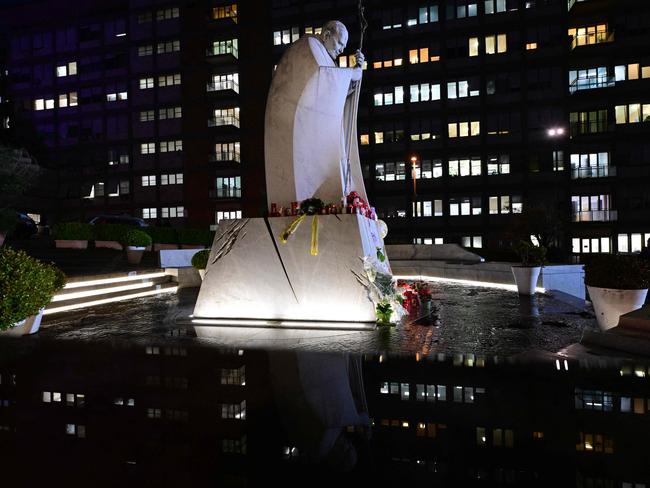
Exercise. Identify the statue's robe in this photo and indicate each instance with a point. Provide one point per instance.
(309, 114)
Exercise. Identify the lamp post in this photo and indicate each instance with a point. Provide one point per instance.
(414, 161)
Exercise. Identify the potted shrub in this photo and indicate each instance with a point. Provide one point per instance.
(527, 273)
(7, 223)
(617, 285)
(136, 242)
(26, 287)
(200, 261)
(72, 235)
(195, 238)
(162, 237)
(110, 236)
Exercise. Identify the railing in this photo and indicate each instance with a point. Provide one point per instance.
(225, 193)
(591, 83)
(597, 172)
(223, 120)
(226, 156)
(591, 39)
(213, 51)
(223, 85)
(595, 216)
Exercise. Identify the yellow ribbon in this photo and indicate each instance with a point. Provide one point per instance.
(293, 226)
(314, 235)
(290, 229)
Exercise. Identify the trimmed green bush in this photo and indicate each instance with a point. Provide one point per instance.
(26, 286)
(201, 237)
(111, 232)
(530, 254)
(200, 259)
(617, 271)
(73, 231)
(137, 238)
(162, 235)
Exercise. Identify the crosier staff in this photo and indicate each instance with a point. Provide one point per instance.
(363, 25)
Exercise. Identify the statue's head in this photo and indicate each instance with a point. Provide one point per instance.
(334, 37)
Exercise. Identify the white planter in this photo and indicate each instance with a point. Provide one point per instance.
(25, 327)
(134, 254)
(70, 244)
(526, 278)
(609, 304)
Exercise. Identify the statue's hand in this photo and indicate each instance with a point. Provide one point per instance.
(360, 58)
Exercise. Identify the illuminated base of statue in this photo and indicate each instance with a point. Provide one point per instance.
(255, 280)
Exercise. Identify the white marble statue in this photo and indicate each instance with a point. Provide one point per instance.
(310, 128)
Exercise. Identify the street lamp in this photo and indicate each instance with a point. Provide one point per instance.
(414, 161)
(555, 131)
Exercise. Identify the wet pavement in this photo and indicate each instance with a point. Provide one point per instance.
(462, 319)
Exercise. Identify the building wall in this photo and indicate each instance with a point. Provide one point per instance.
(135, 130)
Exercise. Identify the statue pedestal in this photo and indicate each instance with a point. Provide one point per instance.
(252, 279)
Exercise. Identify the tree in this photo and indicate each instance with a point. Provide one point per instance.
(18, 171)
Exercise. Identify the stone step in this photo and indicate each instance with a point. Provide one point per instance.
(75, 302)
(117, 277)
(102, 287)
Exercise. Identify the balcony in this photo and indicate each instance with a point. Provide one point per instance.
(226, 156)
(223, 121)
(591, 38)
(595, 216)
(223, 86)
(591, 83)
(595, 172)
(225, 193)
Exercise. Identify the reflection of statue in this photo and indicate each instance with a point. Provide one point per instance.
(318, 396)
(310, 128)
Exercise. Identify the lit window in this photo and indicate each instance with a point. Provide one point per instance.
(39, 104)
(149, 213)
(531, 45)
(61, 71)
(146, 83)
(148, 148)
(473, 46)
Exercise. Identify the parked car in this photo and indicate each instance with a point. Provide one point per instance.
(118, 219)
(25, 227)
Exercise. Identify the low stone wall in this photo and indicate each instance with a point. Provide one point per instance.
(564, 279)
(440, 252)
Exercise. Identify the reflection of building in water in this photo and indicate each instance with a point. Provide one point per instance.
(467, 418)
(171, 413)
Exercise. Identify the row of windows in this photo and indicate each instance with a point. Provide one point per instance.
(65, 100)
(170, 414)
(115, 188)
(163, 114)
(71, 399)
(234, 446)
(227, 215)
(68, 69)
(167, 351)
(225, 12)
(164, 80)
(161, 14)
(427, 169)
(165, 212)
(234, 376)
(632, 113)
(228, 187)
(161, 48)
(166, 179)
(163, 146)
(431, 393)
(234, 411)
